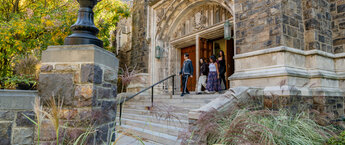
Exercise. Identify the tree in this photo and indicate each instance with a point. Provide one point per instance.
(30, 26)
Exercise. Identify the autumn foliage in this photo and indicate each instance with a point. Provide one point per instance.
(30, 26)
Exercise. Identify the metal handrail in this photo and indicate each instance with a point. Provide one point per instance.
(150, 87)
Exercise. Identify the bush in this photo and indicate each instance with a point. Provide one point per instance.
(269, 127)
(340, 140)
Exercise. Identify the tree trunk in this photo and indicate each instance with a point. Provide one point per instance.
(16, 6)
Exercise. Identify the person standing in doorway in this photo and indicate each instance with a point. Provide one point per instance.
(203, 75)
(213, 84)
(222, 68)
(186, 72)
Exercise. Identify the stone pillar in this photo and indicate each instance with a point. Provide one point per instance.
(197, 68)
(283, 40)
(85, 77)
(286, 45)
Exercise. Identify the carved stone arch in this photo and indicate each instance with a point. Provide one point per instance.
(176, 11)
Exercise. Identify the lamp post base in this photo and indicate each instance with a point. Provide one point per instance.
(83, 38)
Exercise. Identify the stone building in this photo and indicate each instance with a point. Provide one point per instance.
(290, 49)
(299, 41)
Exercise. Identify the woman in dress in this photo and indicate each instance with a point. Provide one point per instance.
(213, 84)
(222, 68)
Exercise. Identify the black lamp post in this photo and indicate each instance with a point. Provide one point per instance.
(84, 30)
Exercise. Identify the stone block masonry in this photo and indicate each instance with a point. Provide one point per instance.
(337, 8)
(300, 24)
(85, 77)
(259, 25)
(15, 128)
(318, 25)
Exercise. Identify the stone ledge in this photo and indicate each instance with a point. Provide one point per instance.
(221, 102)
(289, 49)
(241, 95)
(286, 71)
(17, 99)
(66, 54)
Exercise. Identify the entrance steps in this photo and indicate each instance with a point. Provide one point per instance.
(162, 124)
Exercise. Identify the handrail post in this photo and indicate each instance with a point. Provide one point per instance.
(173, 85)
(152, 97)
(120, 116)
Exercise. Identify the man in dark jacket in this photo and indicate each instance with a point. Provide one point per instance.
(186, 72)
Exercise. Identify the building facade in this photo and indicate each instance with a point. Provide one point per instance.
(277, 43)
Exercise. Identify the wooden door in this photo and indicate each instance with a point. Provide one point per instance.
(192, 56)
(206, 48)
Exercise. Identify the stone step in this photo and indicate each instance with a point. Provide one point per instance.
(147, 112)
(126, 139)
(170, 130)
(137, 119)
(186, 100)
(180, 122)
(179, 107)
(172, 104)
(208, 96)
(160, 138)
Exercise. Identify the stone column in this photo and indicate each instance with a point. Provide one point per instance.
(197, 51)
(85, 78)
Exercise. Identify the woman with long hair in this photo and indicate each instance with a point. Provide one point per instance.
(213, 76)
(222, 68)
(203, 75)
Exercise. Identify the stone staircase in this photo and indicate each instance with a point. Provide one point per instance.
(162, 124)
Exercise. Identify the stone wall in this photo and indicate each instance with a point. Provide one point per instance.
(15, 128)
(140, 50)
(293, 28)
(301, 24)
(337, 8)
(84, 77)
(318, 25)
(258, 25)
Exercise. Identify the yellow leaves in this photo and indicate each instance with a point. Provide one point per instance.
(49, 23)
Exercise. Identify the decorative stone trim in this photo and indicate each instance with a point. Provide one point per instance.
(297, 67)
(289, 49)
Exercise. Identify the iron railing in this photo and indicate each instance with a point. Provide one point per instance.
(122, 100)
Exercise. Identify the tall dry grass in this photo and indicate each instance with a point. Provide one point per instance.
(65, 134)
(266, 127)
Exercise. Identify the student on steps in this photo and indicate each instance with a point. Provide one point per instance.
(186, 72)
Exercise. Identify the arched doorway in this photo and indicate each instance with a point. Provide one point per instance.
(196, 27)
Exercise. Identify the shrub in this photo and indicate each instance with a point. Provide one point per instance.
(18, 80)
(269, 127)
(340, 140)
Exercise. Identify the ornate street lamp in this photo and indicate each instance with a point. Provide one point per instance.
(227, 30)
(84, 30)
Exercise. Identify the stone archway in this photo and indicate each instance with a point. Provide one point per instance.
(171, 15)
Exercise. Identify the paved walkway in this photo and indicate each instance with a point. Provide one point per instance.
(128, 140)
